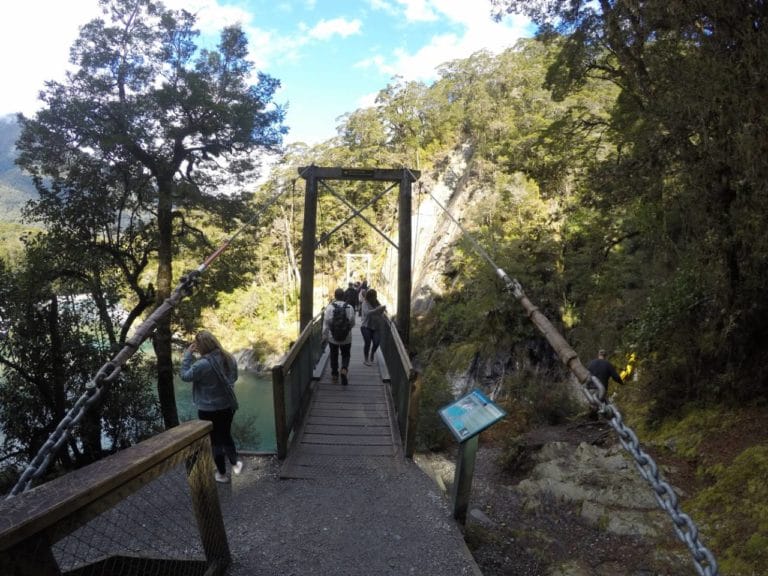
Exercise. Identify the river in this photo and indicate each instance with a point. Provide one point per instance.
(254, 424)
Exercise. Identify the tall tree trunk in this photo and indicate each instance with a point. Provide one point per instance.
(97, 292)
(162, 339)
(289, 251)
(58, 371)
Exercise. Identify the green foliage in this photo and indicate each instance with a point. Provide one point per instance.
(52, 344)
(432, 434)
(12, 237)
(131, 145)
(734, 511)
(440, 364)
(258, 318)
(687, 431)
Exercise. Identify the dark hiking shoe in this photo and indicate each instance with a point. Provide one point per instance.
(344, 380)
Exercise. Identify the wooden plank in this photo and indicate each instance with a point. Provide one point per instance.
(368, 392)
(346, 440)
(348, 421)
(376, 406)
(359, 174)
(351, 413)
(351, 407)
(359, 401)
(330, 450)
(348, 430)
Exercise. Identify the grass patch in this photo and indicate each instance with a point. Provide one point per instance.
(734, 511)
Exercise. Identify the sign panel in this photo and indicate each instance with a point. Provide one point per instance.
(470, 415)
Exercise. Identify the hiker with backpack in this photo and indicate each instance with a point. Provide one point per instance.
(338, 320)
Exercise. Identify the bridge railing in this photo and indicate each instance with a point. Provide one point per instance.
(291, 380)
(124, 514)
(404, 384)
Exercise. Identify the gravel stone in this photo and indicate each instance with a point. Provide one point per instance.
(374, 524)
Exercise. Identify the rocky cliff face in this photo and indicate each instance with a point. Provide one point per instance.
(433, 232)
(572, 508)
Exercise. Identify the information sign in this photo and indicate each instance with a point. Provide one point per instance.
(470, 415)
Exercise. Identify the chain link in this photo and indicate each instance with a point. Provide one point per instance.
(94, 389)
(110, 371)
(593, 389)
(59, 437)
(666, 497)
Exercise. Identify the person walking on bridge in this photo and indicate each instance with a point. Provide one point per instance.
(350, 295)
(604, 371)
(213, 378)
(338, 321)
(371, 325)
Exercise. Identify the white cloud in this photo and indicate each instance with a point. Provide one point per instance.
(39, 46)
(421, 10)
(477, 31)
(35, 48)
(383, 6)
(367, 100)
(338, 26)
(211, 16)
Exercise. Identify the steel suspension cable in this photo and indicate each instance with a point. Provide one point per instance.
(666, 497)
(108, 373)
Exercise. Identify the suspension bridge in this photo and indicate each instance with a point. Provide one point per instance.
(351, 500)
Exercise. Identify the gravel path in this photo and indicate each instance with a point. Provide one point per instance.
(375, 524)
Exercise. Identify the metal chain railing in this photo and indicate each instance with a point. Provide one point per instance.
(593, 389)
(94, 389)
(109, 372)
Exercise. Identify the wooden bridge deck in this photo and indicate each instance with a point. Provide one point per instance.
(348, 429)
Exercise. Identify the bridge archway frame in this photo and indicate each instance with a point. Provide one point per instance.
(314, 175)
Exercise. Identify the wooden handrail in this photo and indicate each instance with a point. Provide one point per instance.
(53, 510)
(405, 389)
(298, 356)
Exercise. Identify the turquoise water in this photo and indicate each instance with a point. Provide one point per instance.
(254, 424)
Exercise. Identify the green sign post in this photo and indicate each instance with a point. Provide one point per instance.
(466, 418)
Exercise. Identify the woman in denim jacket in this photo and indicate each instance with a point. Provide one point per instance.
(213, 376)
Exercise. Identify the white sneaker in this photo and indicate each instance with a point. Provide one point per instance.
(223, 478)
(237, 467)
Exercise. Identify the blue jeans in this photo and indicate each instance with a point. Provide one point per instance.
(371, 341)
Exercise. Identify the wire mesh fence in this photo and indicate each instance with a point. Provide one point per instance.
(151, 509)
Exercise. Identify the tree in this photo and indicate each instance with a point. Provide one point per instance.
(684, 173)
(51, 344)
(153, 122)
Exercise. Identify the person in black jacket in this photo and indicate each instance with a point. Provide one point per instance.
(350, 295)
(604, 371)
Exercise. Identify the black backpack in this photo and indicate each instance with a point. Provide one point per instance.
(340, 324)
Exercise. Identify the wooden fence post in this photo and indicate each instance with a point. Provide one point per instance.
(278, 401)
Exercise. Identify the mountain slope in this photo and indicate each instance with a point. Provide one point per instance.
(15, 187)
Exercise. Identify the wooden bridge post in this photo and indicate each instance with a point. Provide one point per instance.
(404, 259)
(206, 507)
(281, 420)
(308, 246)
(414, 399)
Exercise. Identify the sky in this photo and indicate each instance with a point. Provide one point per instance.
(331, 56)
